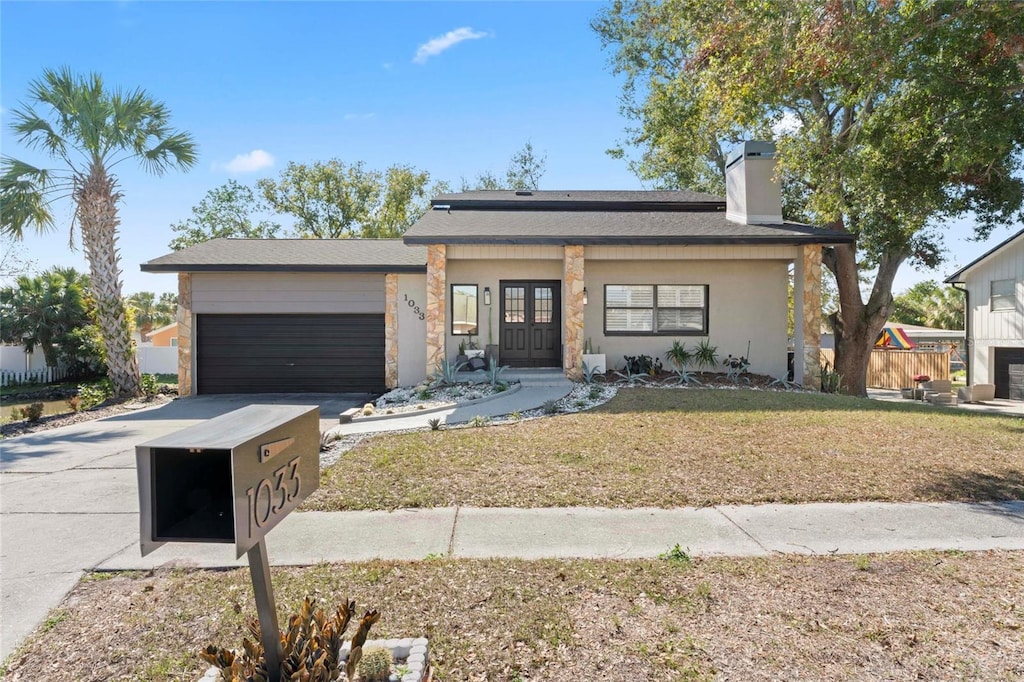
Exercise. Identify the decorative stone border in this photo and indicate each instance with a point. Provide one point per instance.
(358, 418)
(414, 651)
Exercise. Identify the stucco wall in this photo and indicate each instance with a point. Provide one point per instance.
(747, 301)
(487, 273)
(412, 329)
(287, 292)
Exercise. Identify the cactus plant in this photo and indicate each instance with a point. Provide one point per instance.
(375, 664)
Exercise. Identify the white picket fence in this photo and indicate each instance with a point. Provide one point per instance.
(19, 367)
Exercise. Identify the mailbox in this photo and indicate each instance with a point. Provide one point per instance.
(229, 479)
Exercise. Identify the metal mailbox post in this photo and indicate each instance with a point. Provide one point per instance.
(230, 480)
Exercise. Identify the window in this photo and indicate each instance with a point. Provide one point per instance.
(464, 310)
(1003, 295)
(639, 309)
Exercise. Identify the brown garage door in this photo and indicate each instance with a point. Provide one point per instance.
(1009, 365)
(290, 353)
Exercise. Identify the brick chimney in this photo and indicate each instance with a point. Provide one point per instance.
(752, 194)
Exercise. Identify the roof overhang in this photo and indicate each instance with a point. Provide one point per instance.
(282, 267)
(958, 276)
(787, 240)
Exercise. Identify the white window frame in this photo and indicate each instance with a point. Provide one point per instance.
(1002, 295)
(653, 308)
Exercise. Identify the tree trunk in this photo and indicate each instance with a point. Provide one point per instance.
(857, 324)
(96, 204)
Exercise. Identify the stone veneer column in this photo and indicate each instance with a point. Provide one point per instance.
(391, 330)
(572, 361)
(436, 284)
(184, 334)
(811, 304)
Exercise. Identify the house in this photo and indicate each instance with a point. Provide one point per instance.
(921, 339)
(994, 286)
(164, 336)
(534, 274)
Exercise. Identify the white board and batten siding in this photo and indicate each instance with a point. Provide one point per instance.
(995, 328)
(287, 292)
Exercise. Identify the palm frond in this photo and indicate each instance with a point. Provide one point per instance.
(23, 198)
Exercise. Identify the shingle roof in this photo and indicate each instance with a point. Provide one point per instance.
(455, 226)
(621, 200)
(958, 276)
(294, 255)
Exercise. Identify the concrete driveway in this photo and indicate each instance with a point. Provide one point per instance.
(69, 497)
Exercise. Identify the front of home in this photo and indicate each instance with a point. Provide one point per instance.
(536, 277)
(994, 286)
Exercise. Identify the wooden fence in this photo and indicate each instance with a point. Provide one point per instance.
(896, 368)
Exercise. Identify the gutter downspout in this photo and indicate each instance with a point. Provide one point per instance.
(968, 341)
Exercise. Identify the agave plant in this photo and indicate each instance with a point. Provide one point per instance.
(447, 374)
(494, 372)
(310, 647)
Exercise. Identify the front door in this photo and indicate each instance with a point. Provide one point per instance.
(530, 328)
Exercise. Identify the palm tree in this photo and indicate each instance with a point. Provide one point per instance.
(41, 311)
(89, 130)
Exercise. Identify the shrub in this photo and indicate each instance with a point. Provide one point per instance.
(31, 412)
(679, 355)
(642, 364)
(91, 395)
(705, 355)
(74, 403)
(150, 385)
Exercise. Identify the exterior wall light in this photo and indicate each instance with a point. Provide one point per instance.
(584, 295)
(487, 295)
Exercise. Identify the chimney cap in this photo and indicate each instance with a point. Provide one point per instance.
(750, 149)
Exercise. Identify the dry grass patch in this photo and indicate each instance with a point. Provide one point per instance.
(936, 616)
(669, 448)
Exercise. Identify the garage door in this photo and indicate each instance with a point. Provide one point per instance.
(290, 353)
(1009, 364)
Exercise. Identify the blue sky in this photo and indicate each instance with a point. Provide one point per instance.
(454, 88)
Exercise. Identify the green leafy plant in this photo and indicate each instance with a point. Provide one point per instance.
(435, 424)
(310, 644)
(91, 395)
(642, 364)
(831, 380)
(150, 385)
(447, 374)
(462, 347)
(705, 355)
(595, 392)
(679, 355)
(677, 555)
(479, 420)
(516, 415)
(424, 394)
(375, 664)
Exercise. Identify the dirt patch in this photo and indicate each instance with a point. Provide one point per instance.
(928, 615)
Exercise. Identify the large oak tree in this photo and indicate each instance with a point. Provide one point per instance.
(89, 129)
(890, 117)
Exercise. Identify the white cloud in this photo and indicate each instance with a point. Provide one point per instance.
(255, 160)
(436, 46)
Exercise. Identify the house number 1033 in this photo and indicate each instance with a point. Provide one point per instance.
(270, 495)
(415, 308)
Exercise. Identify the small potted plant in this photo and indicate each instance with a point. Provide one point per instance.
(594, 360)
(472, 350)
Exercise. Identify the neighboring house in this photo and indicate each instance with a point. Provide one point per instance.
(164, 336)
(535, 274)
(994, 286)
(923, 338)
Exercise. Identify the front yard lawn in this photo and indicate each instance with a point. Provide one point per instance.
(932, 615)
(692, 447)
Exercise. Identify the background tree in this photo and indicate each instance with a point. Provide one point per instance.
(226, 211)
(150, 312)
(40, 311)
(889, 117)
(89, 129)
(525, 169)
(13, 262)
(930, 304)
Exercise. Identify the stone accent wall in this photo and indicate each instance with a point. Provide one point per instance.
(572, 360)
(391, 330)
(184, 334)
(436, 317)
(811, 316)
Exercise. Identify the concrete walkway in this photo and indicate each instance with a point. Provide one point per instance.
(999, 406)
